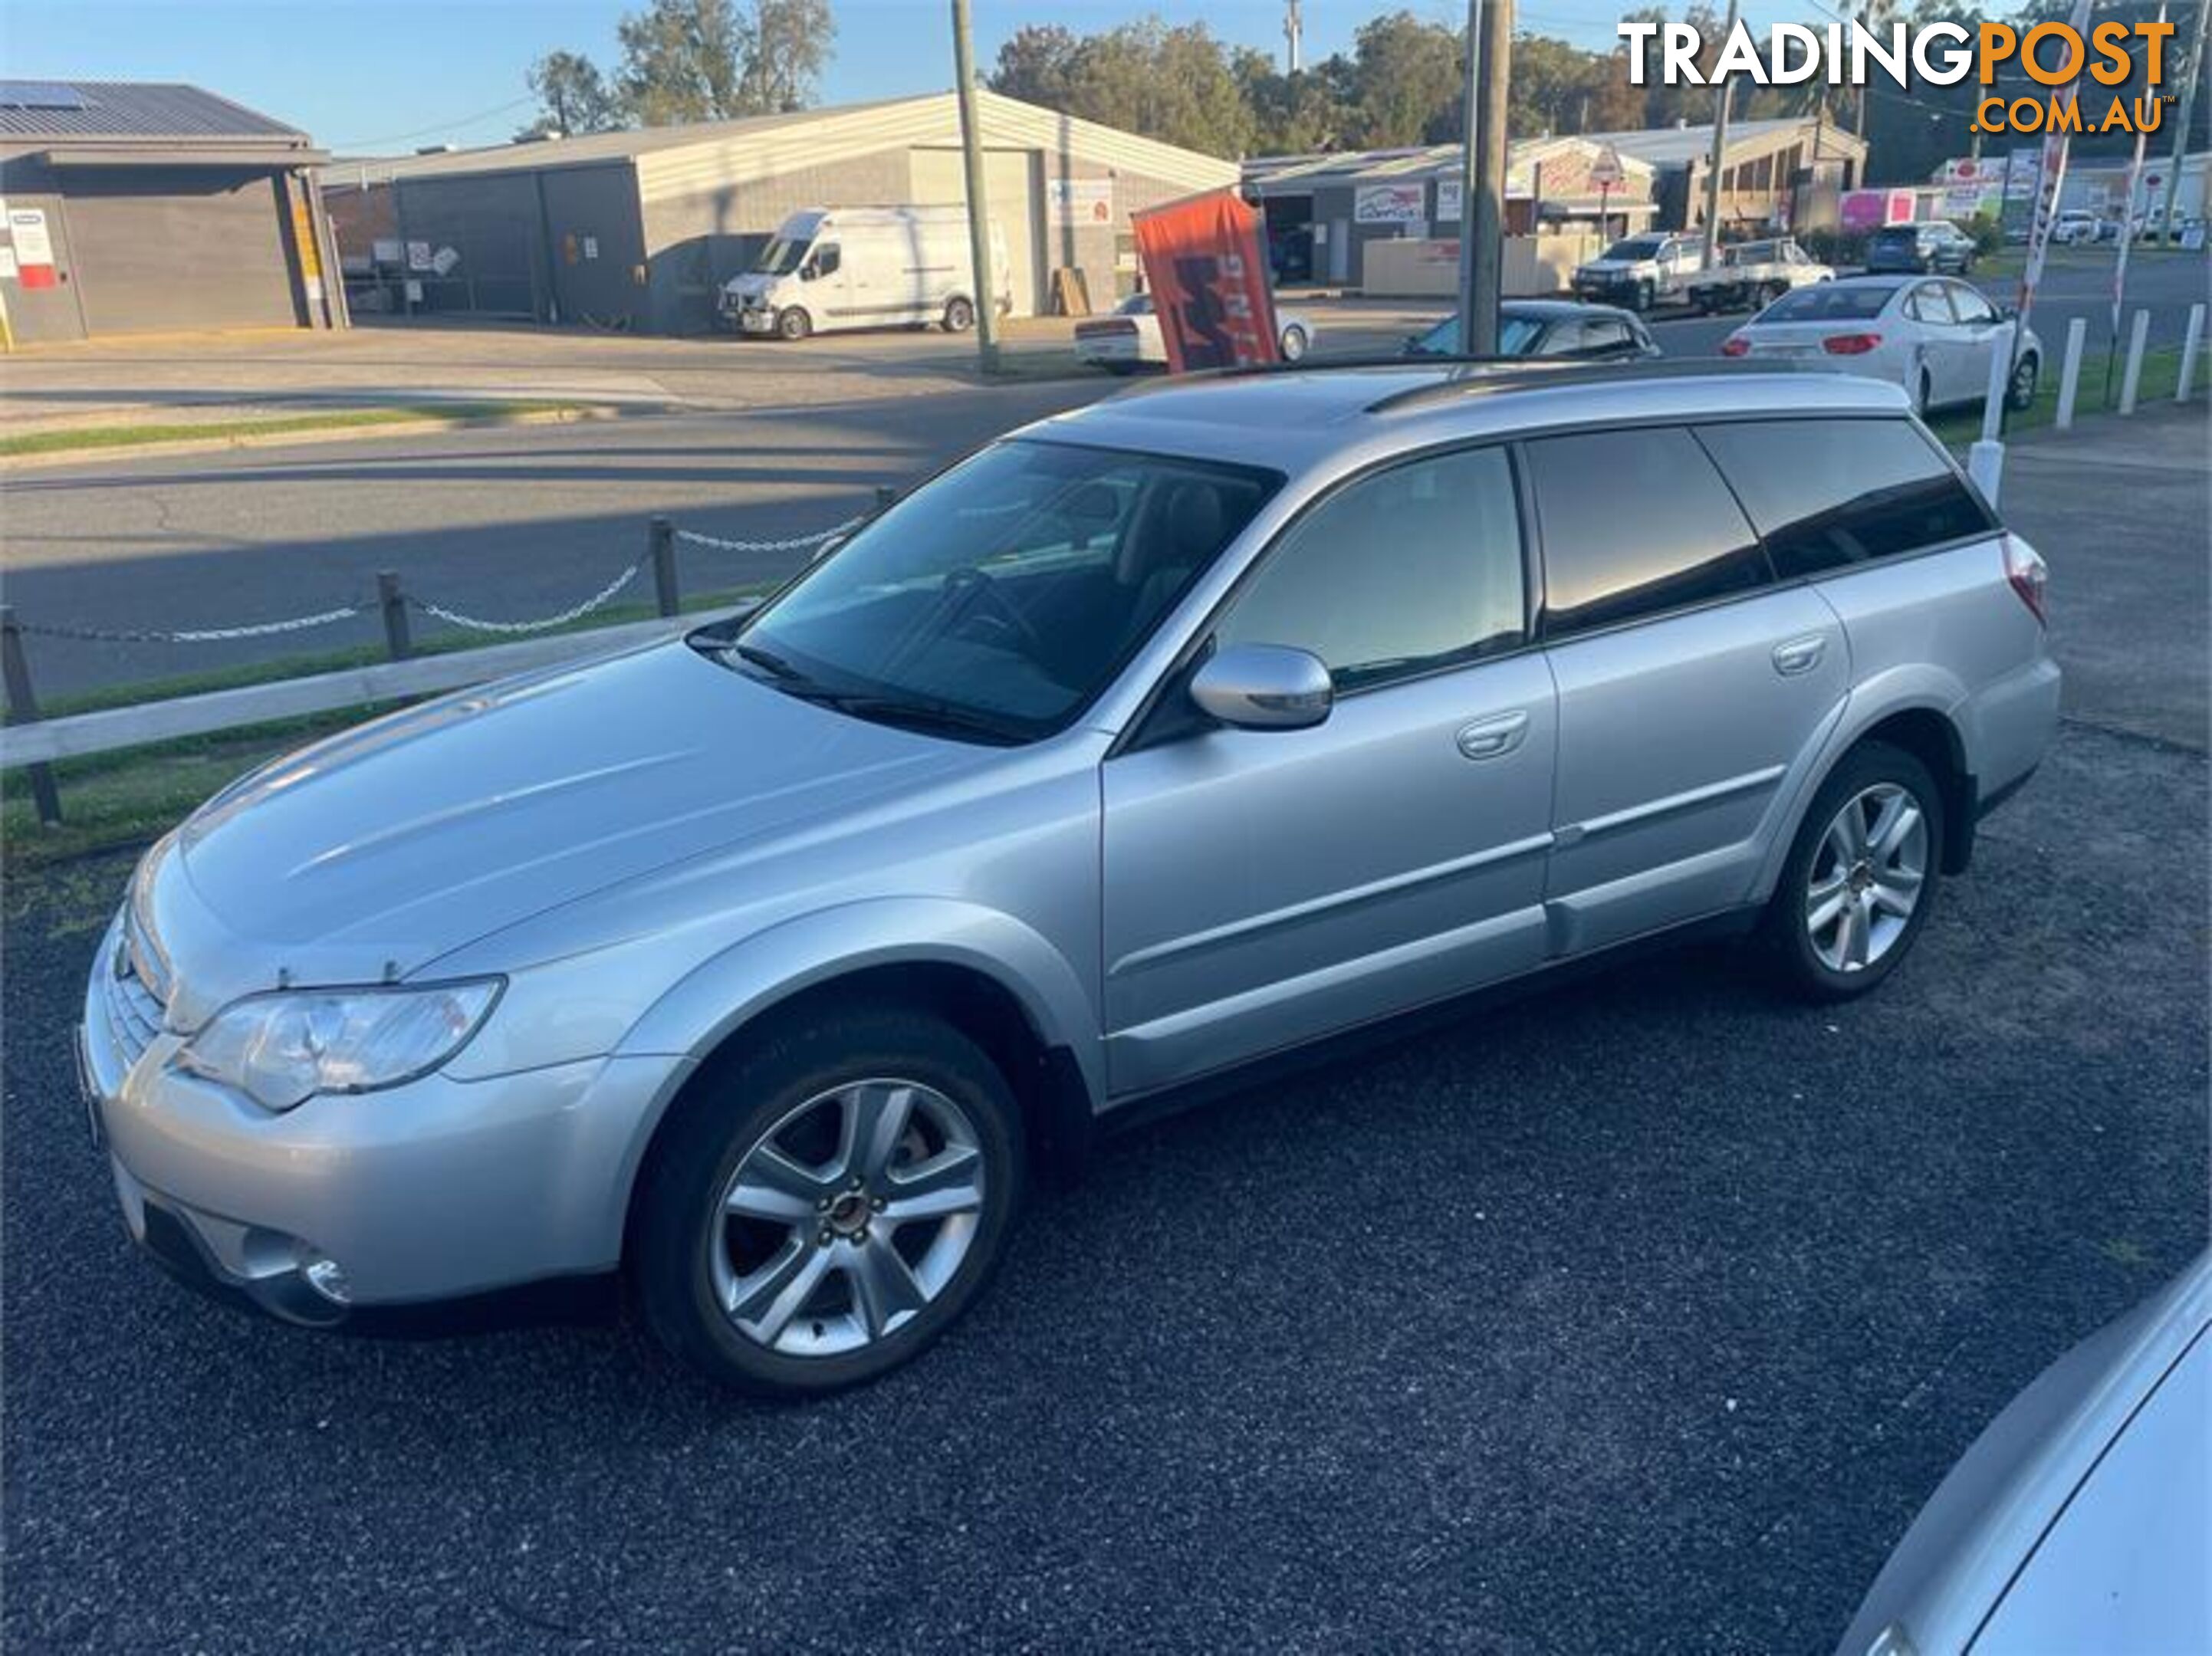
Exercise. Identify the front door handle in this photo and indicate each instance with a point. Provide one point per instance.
(1487, 738)
(1800, 655)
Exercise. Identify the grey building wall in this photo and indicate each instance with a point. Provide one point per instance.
(492, 221)
(142, 249)
(695, 243)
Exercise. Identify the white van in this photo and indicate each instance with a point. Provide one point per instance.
(864, 267)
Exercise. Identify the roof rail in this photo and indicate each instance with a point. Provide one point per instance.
(1484, 377)
(1323, 365)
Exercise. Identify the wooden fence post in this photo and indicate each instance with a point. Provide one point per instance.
(23, 709)
(389, 598)
(660, 541)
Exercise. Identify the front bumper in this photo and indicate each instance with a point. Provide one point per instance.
(440, 1190)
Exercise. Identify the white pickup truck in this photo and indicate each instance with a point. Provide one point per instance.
(1752, 274)
(1642, 271)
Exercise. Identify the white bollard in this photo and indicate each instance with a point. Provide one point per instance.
(2069, 378)
(1985, 465)
(2001, 350)
(2132, 377)
(2190, 341)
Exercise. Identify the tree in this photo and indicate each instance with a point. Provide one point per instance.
(573, 96)
(793, 41)
(1291, 115)
(1036, 64)
(1406, 80)
(683, 60)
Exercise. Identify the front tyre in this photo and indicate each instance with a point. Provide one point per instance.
(1861, 876)
(819, 1210)
(959, 316)
(2020, 390)
(1294, 343)
(793, 323)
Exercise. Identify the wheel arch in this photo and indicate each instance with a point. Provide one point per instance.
(1917, 718)
(985, 972)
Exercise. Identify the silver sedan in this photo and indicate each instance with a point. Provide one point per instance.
(1931, 335)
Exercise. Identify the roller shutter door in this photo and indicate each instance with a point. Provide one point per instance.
(178, 247)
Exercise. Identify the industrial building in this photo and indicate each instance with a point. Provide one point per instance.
(1325, 211)
(1780, 174)
(640, 230)
(134, 208)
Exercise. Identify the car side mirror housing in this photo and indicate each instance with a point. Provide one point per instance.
(1264, 686)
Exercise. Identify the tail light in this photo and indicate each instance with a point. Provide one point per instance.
(2029, 575)
(1736, 345)
(1850, 344)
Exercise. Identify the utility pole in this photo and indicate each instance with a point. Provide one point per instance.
(1721, 100)
(1469, 160)
(2188, 114)
(979, 203)
(1294, 32)
(1482, 205)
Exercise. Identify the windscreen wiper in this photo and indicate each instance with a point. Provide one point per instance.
(939, 716)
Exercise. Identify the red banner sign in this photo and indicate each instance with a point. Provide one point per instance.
(1205, 261)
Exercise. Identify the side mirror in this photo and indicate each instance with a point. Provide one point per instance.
(1264, 686)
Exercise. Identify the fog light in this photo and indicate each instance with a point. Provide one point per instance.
(325, 1277)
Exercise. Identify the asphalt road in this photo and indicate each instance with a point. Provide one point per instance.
(1641, 1315)
(520, 523)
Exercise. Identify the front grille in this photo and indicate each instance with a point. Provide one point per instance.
(135, 1011)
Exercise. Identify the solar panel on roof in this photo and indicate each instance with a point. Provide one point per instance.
(39, 94)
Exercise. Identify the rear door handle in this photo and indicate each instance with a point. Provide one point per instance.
(1800, 655)
(1487, 738)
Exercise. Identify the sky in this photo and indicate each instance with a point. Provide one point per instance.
(377, 75)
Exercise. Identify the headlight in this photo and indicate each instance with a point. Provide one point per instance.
(281, 1050)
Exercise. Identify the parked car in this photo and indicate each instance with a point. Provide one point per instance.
(1548, 327)
(1129, 339)
(1642, 271)
(864, 267)
(2077, 226)
(1755, 273)
(771, 965)
(1931, 336)
(1932, 245)
(2081, 1519)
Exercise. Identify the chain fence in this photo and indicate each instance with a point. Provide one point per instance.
(393, 603)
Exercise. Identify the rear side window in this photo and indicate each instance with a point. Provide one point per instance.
(1400, 572)
(1636, 522)
(1827, 493)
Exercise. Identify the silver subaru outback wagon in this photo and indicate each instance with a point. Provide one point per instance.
(767, 968)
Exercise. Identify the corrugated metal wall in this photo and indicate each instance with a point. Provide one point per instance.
(179, 247)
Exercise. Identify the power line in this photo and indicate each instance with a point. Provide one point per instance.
(442, 126)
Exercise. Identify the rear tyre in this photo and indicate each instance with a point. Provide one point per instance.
(793, 323)
(1861, 876)
(959, 315)
(1294, 344)
(821, 1207)
(2020, 390)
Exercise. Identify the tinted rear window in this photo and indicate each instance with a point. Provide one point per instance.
(1830, 493)
(1828, 301)
(1896, 236)
(1635, 522)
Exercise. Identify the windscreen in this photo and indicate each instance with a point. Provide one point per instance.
(1632, 248)
(996, 602)
(779, 257)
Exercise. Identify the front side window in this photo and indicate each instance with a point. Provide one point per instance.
(1969, 306)
(1926, 303)
(1635, 523)
(825, 260)
(1827, 493)
(1401, 573)
(998, 600)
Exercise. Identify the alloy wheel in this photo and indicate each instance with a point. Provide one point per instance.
(846, 1218)
(1866, 877)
